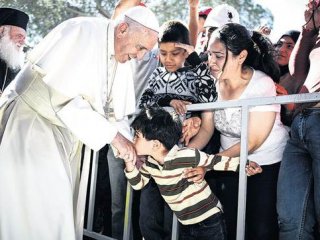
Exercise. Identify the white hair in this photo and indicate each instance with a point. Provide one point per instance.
(9, 51)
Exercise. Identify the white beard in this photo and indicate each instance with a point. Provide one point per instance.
(11, 53)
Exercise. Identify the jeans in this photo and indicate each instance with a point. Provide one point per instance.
(212, 228)
(118, 183)
(299, 179)
(261, 215)
(155, 214)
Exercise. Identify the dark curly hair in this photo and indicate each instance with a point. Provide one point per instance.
(155, 123)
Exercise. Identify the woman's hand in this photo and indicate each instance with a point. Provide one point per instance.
(190, 128)
(253, 168)
(281, 91)
(179, 106)
(195, 175)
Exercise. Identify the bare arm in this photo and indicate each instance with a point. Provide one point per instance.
(123, 5)
(193, 21)
(299, 60)
(205, 132)
(260, 126)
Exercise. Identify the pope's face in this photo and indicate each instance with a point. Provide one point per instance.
(133, 44)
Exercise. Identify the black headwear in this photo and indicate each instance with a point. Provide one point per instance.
(293, 34)
(13, 17)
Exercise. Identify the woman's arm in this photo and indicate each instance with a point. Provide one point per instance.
(259, 128)
(206, 130)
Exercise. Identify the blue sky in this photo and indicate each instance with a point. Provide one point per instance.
(288, 15)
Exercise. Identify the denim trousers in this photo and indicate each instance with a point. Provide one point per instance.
(212, 228)
(155, 215)
(298, 201)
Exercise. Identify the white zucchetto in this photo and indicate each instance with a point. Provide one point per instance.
(144, 16)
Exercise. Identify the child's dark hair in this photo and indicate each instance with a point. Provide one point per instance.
(157, 124)
(260, 49)
(174, 31)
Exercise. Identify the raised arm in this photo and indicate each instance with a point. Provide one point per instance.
(193, 21)
(124, 5)
(299, 60)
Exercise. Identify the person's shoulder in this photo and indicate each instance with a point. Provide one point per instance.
(261, 79)
(187, 151)
(261, 83)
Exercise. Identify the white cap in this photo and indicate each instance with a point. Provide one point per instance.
(221, 15)
(144, 16)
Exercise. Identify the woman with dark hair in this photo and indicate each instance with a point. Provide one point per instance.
(298, 200)
(284, 47)
(243, 64)
(287, 84)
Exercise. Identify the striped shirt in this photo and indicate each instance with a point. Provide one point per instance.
(191, 202)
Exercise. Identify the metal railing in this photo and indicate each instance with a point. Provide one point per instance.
(245, 104)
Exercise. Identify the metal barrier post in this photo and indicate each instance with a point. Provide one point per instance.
(92, 196)
(242, 194)
(93, 182)
(175, 228)
(127, 228)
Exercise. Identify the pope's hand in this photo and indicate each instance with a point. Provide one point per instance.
(125, 149)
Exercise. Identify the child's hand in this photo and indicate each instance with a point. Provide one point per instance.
(141, 159)
(253, 168)
(195, 175)
(188, 48)
(190, 128)
(179, 106)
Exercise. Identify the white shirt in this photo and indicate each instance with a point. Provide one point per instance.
(228, 121)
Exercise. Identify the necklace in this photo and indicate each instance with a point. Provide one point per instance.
(108, 109)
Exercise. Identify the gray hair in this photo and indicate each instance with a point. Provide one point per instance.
(5, 29)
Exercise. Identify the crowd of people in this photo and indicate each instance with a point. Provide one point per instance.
(83, 85)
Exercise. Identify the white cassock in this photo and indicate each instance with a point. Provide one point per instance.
(55, 104)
